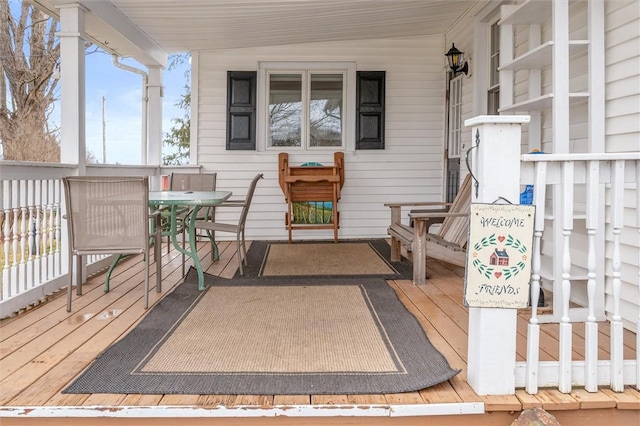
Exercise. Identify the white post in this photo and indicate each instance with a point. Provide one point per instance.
(154, 131)
(73, 147)
(72, 83)
(495, 153)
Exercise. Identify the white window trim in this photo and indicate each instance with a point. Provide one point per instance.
(455, 117)
(481, 49)
(349, 113)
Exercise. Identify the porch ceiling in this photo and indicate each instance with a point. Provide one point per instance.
(185, 25)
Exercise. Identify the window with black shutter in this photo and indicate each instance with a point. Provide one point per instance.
(370, 99)
(241, 110)
(316, 94)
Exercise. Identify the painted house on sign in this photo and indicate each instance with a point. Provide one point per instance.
(499, 257)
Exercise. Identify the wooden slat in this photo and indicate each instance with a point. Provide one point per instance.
(329, 399)
(591, 400)
(629, 400)
(528, 401)
(553, 399)
(291, 400)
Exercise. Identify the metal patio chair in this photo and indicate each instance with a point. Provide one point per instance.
(110, 215)
(237, 228)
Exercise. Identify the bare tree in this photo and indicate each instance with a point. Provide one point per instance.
(29, 52)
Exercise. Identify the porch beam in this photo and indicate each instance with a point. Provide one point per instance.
(492, 331)
(111, 30)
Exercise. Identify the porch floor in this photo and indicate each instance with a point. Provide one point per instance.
(44, 348)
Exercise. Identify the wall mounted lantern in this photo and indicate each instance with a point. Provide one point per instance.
(456, 60)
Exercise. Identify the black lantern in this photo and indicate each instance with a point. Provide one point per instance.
(456, 60)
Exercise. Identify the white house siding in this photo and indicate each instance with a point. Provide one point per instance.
(409, 168)
(622, 59)
(622, 78)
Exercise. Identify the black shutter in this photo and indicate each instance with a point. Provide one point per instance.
(370, 109)
(241, 110)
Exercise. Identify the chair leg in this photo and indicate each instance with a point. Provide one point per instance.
(158, 258)
(70, 289)
(79, 275)
(244, 249)
(239, 250)
(146, 279)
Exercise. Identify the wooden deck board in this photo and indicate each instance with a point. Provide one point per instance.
(45, 348)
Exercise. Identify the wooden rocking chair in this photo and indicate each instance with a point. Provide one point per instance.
(448, 243)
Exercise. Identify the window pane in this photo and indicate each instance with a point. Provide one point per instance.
(325, 110)
(285, 110)
(493, 101)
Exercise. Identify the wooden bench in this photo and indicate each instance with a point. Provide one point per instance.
(448, 243)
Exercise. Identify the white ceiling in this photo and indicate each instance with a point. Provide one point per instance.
(183, 25)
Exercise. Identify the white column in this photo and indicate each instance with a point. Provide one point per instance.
(492, 331)
(154, 130)
(73, 148)
(72, 83)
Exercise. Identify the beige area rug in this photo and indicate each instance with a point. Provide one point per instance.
(324, 259)
(274, 322)
(271, 337)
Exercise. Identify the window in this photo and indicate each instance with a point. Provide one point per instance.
(455, 117)
(305, 106)
(493, 95)
(455, 137)
(305, 109)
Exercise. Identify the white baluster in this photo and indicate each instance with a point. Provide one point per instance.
(45, 234)
(38, 234)
(6, 198)
(591, 326)
(15, 232)
(22, 238)
(564, 374)
(58, 228)
(617, 211)
(533, 330)
(31, 281)
(51, 229)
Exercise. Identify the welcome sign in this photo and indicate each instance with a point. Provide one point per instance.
(499, 256)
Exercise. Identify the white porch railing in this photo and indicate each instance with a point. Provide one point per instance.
(32, 233)
(591, 189)
(30, 238)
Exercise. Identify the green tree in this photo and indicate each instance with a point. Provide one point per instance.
(29, 52)
(177, 139)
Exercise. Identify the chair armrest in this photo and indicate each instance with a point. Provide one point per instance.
(425, 215)
(232, 203)
(423, 203)
(396, 209)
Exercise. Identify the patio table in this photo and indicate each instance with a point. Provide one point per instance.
(194, 200)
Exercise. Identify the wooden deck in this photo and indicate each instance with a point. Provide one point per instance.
(43, 349)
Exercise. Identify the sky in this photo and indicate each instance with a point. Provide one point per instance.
(122, 91)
